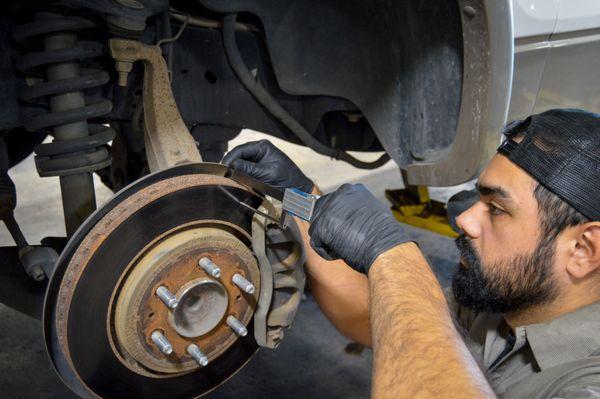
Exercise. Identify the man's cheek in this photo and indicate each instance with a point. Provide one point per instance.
(489, 253)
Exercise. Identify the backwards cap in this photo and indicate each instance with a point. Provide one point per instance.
(561, 150)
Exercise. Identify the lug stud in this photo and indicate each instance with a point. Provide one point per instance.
(210, 267)
(197, 354)
(237, 326)
(243, 283)
(167, 297)
(161, 342)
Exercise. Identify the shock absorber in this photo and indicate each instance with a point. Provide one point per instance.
(79, 147)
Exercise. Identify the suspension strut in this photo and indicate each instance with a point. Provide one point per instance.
(79, 147)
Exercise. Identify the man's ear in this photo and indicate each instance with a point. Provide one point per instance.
(586, 255)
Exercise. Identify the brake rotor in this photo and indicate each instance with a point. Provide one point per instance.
(101, 307)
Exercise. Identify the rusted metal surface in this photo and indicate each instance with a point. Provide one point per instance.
(168, 141)
(101, 230)
(173, 262)
(281, 261)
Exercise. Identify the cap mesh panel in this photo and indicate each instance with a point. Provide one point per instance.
(561, 150)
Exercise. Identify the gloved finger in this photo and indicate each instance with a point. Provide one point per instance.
(320, 209)
(321, 249)
(253, 151)
(245, 167)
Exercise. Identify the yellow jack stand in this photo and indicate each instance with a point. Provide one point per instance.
(413, 206)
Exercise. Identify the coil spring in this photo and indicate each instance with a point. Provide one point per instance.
(77, 153)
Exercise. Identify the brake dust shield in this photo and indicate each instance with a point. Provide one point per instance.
(101, 307)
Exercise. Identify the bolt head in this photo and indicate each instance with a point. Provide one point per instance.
(37, 273)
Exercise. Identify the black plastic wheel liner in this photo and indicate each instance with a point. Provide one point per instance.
(89, 346)
(399, 62)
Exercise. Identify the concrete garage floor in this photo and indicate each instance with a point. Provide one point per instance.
(311, 362)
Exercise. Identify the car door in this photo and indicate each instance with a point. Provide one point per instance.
(534, 22)
(571, 75)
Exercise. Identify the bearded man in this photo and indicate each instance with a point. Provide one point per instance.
(523, 317)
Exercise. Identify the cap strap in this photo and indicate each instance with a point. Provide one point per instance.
(507, 147)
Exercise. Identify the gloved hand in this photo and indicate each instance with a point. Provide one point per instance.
(265, 162)
(351, 224)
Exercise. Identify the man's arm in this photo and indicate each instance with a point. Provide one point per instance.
(341, 292)
(417, 350)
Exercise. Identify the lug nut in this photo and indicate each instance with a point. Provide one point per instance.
(162, 342)
(236, 326)
(197, 354)
(244, 284)
(167, 297)
(209, 267)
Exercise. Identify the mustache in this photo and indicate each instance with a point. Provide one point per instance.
(463, 244)
(467, 250)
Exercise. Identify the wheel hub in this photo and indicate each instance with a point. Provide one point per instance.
(204, 302)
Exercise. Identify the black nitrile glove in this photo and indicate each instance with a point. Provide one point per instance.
(351, 224)
(265, 162)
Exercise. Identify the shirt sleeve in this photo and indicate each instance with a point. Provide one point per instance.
(587, 387)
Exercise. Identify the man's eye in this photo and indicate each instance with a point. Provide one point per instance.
(494, 210)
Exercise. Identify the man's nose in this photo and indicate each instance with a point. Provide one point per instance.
(469, 221)
(459, 203)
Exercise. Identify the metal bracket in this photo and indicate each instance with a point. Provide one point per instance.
(168, 141)
(259, 224)
(282, 277)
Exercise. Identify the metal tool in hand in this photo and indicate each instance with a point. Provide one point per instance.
(294, 202)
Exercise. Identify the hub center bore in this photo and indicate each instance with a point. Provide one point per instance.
(202, 305)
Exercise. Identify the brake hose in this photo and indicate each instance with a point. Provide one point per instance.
(265, 99)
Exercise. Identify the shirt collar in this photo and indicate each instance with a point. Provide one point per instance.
(570, 337)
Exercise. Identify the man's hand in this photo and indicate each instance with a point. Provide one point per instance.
(351, 224)
(265, 162)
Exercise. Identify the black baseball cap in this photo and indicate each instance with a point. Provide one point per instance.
(561, 150)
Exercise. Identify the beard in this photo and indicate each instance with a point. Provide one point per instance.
(511, 285)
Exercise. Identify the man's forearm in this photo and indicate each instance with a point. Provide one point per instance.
(417, 350)
(341, 292)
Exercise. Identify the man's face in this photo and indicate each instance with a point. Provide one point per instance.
(505, 265)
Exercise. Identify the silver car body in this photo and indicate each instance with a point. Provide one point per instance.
(557, 56)
(525, 57)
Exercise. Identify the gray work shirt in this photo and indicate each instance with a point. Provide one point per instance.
(539, 351)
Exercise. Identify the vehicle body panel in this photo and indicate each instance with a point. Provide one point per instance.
(577, 15)
(557, 53)
(534, 18)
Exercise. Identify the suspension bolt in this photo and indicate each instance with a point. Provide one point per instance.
(123, 68)
(210, 267)
(37, 273)
(237, 326)
(197, 354)
(243, 283)
(167, 297)
(161, 342)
